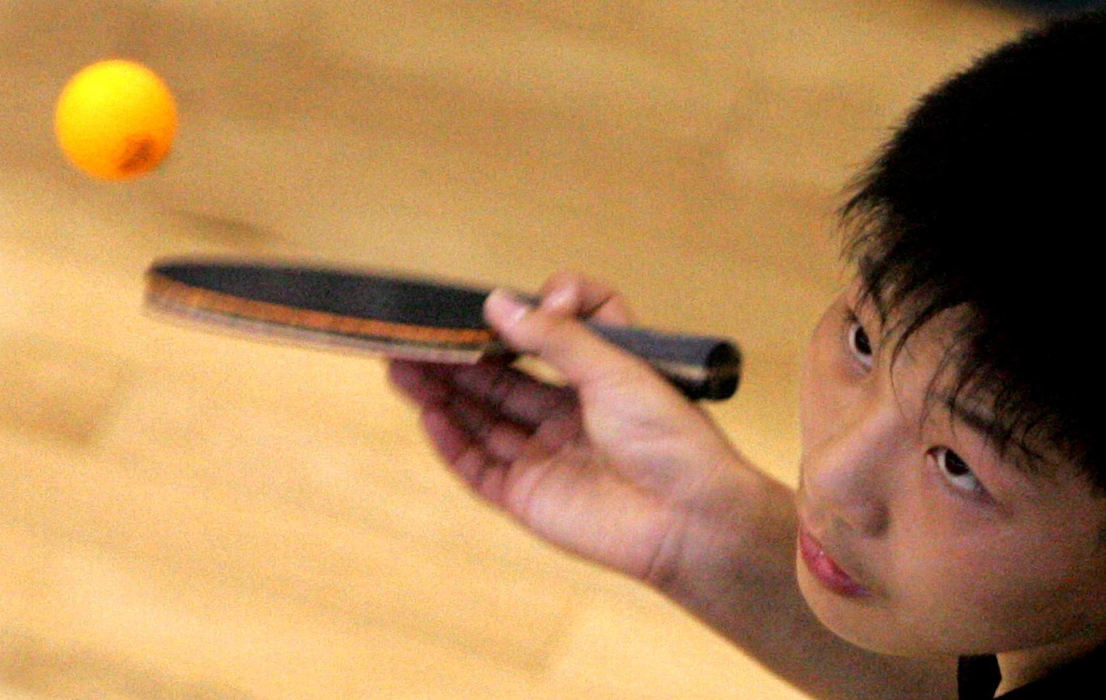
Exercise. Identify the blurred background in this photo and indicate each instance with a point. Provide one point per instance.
(191, 515)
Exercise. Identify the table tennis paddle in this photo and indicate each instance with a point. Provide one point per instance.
(397, 316)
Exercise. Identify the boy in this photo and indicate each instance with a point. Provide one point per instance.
(949, 525)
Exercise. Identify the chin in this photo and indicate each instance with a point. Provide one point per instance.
(861, 622)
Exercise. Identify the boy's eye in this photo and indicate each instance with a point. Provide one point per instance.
(859, 343)
(955, 470)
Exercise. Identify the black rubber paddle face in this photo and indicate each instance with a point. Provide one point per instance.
(348, 294)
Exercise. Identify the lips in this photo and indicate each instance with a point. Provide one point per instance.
(826, 570)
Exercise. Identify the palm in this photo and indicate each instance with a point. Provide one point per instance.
(581, 497)
(613, 482)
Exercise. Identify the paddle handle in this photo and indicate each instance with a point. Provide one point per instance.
(702, 367)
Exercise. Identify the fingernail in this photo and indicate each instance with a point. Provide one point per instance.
(506, 306)
(560, 299)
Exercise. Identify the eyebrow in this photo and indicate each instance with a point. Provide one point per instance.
(1027, 460)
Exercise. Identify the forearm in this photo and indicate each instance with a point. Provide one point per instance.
(734, 568)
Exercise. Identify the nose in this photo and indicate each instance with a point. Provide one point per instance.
(848, 473)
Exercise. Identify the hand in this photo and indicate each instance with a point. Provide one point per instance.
(616, 466)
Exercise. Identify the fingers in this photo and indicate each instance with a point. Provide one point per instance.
(466, 434)
(566, 294)
(421, 382)
(497, 386)
(480, 418)
(572, 294)
(470, 437)
(469, 459)
(588, 362)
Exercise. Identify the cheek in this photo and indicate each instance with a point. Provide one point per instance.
(807, 387)
(941, 558)
(824, 391)
(988, 590)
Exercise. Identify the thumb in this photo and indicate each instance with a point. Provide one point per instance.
(585, 360)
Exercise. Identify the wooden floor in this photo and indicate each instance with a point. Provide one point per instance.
(188, 515)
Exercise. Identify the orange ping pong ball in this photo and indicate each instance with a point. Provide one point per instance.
(115, 119)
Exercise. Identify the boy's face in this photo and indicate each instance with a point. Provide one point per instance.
(916, 536)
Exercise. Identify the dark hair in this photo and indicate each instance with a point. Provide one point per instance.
(991, 199)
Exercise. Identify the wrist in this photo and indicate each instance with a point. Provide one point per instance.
(735, 547)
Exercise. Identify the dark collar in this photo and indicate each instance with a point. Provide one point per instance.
(978, 677)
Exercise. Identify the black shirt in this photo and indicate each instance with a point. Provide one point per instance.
(978, 677)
